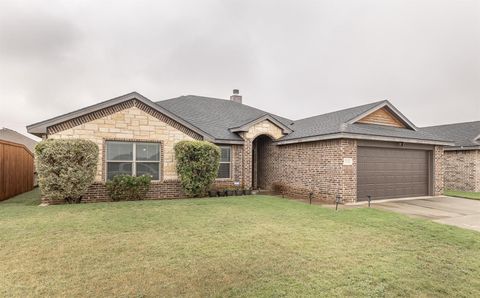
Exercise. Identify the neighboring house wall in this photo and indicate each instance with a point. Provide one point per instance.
(462, 170)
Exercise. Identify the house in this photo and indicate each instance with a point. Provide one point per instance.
(369, 150)
(462, 160)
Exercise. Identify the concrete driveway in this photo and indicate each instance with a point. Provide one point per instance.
(458, 212)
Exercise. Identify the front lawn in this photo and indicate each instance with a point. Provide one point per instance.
(239, 246)
(463, 194)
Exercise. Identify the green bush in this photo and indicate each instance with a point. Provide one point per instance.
(66, 168)
(128, 188)
(197, 165)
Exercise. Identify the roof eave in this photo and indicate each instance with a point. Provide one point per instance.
(363, 137)
(462, 148)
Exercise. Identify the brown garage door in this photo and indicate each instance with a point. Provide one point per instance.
(392, 173)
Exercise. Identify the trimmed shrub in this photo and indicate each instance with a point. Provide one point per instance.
(66, 168)
(197, 165)
(128, 188)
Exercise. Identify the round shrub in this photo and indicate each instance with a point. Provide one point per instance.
(66, 168)
(197, 165)
(128, 188)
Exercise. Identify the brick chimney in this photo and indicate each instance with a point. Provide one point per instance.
(236, 97)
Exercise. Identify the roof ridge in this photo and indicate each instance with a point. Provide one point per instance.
(341, 110)
(226, 100)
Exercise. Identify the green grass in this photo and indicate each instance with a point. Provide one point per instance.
(463, 194)
(238, 246)
(31, 198)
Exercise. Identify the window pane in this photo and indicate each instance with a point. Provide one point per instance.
(148, 151)
(225, 154)
(224, 170)
(118, 168)
(149, 168)
(119, 151)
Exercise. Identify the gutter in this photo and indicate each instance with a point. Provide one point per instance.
(363, 137)
(462, 148)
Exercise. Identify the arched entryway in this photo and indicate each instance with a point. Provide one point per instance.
(262, 147)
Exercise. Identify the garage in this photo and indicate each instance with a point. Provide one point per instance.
(386, 173)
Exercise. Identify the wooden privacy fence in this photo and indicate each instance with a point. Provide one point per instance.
(16, 169)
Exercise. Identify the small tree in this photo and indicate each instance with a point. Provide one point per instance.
(197, 165)
(66, 168)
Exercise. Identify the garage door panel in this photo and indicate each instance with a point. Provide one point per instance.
(391, 173)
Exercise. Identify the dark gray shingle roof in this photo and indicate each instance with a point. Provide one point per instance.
(338, 122)
(465, 134)
(333, 122)
(215, 116)
(217, 119)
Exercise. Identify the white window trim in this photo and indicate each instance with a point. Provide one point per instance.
(226, 162)
(134, 156)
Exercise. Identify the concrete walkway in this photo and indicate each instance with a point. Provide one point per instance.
(458, 212)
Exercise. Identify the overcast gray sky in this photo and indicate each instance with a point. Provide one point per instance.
(291, 58)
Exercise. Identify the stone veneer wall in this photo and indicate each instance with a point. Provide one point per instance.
(462, 170)
(262, 128)
(312, 167)
(439, 170)
(135, 124)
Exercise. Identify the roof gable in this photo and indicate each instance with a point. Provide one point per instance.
(382, 117)
(245, 127)
(109, 106)
(384, 114)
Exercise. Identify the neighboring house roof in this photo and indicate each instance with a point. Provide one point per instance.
(10, 135)
(221, 120)
(466, 135)
(216, 116)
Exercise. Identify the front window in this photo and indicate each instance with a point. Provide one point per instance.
(225, 162)
(133, 158)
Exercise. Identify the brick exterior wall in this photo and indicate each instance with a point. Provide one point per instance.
(262, 128)
(316, 167)
(462, 170)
